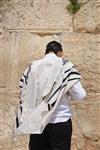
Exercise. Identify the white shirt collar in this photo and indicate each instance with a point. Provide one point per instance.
(51, 54)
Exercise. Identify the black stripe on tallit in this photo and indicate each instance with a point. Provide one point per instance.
(21, 109)
(20, 102)
(54, 93)
(71, 73)
(21, 80)
(28, 71)
(17, 122)
(64, 62)
(63, 85)
(24, 75)
(25, 78)
(70, 80)
(53, 103)
(20, 86)
(73, 79)
(69, 69)
(49, 107)
(56, 100)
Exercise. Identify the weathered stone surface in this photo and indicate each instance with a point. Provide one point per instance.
(22, 47)
(27, 27)
(37, 15)
(19, 49)
(88, 18)
(0, 55)
(84, 51)
(9, 101)
(86, 126)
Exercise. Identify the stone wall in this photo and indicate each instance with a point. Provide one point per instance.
(26, 27)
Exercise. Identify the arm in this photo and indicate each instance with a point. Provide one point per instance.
(77, 92)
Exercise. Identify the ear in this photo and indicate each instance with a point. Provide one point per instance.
(60, 54)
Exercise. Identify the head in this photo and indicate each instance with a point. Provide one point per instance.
(54, 47)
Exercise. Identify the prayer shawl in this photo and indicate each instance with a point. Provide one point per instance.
(43, 84)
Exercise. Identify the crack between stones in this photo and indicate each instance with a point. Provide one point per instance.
(73, 26)
(73, 18)
(32, 3)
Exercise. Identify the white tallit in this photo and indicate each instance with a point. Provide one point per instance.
(49, 78)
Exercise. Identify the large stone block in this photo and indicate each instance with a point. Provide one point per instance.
(88, 18)
(28, 26)
(1, 57)
(9, 102)
(86, 125)
(38, 15)
(84, 51)
(19, 49)
(86, 122)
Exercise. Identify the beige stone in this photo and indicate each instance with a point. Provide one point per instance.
(85, 115)
(84, 51)
(19, 49)
(9, 103)
(25, 15)
(88, 18)
(27, 27)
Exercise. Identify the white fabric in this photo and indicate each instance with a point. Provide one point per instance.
(47, 75)
(63, 111)
(44, 74)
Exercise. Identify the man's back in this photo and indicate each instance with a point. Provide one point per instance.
(46, 113)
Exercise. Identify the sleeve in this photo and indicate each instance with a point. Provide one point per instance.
(77, 92)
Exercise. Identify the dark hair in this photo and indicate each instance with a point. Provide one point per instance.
(53, 46)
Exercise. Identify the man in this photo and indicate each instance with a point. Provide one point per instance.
(57, 132)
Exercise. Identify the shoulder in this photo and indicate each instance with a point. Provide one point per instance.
(67, 63)
(35, 64)
(64, 60)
